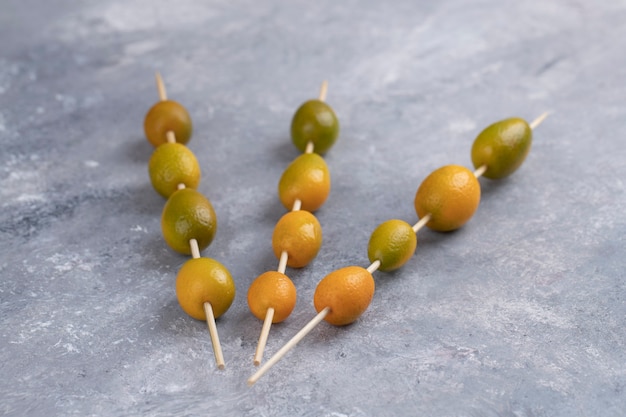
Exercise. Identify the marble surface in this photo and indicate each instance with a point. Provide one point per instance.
(520, 313)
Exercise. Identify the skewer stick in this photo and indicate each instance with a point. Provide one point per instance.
(480, 170)
(171, 138)
(417, 226)
(373, 267)
(539, 119)
(323, 90)
(210, 317)
(265, 331)
(269, 315)
(289, 345)
(161, 87)
(282, 262)
(310, 146)
(195, 250)
(215, 338)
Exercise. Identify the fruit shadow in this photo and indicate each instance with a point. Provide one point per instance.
(285, 151)
(488, 186)
(138, 151)
(427, 240)
(175, 321)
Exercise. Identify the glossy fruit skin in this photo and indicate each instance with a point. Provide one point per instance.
(201, 280)
(392, 243)
(314, 121)
(451, 195)
(307, 179)
(300, 234)
(272, 289)
(172, 164)
(164, 116)
(503, 147)
(187, 214)
(347, 291)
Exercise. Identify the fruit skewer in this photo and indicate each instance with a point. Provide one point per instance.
(343, 295)
(297, 237)
(204, 287)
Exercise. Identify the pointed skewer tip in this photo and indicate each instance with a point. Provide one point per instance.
(265, 330)
(323, 90)
(215, 339)
(161, 87)
(289, 345)
(539, 119)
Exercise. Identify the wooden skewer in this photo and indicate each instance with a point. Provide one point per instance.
(417, 226)
(195, 250)
(265, 331)
(269, 315)
(282, 262)
(282, 266)
(289, 345)
(539, 119)
(373, 267)
(215, 338)
(480, 170)
(310, 146)
(210, 317)
(171, 138)
(161, 87)
(267, 323)
(284, 256)
(323, 90)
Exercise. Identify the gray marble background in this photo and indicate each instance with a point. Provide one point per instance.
(522, 312)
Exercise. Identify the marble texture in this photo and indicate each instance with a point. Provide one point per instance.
(520, 313)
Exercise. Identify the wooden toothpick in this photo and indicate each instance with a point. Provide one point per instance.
(289, 345)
